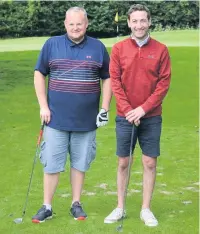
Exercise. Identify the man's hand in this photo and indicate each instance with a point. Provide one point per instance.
(134, 115)
(137, 123)
(102, 118)
(45, 115)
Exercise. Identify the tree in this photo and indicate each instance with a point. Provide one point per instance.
(39, 18)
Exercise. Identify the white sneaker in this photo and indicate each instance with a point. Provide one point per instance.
(115, 216)
(148, 218)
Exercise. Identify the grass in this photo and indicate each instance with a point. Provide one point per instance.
(175, 201)
(170, 38)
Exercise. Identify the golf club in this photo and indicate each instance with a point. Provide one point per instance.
(120, 227)
(20, 220)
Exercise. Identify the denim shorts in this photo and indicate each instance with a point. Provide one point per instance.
(56, 145)
(147, 133)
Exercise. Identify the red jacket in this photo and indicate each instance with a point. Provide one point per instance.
(140, 76)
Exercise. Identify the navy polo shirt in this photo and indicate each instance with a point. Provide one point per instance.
(74, 72)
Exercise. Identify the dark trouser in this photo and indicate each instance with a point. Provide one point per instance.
(147, 133)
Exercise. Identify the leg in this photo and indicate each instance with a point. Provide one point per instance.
(82, 153)
(77, 180)
(149, 140)
(123, 135)
(149, 176)
(53, 157)
(122, 173)
(50, 185)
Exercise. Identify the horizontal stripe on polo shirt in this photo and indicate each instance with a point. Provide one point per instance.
(74, 86)
(74, 76)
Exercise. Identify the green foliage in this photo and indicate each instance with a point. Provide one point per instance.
(40, 18)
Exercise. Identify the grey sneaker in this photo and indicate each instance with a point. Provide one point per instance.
(77, 211)
(42, 215)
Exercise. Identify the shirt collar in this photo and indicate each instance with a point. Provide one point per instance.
(81, 44)
(143, 42)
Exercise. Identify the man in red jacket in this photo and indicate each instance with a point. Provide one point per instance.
(140, 75)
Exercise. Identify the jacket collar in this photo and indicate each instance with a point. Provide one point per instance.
(141, 43)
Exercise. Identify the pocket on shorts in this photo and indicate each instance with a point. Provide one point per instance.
(119, 119)
(122, 125)
(92, 153)
(42, 155)
(154, 120)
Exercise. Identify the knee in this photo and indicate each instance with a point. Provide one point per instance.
(123, 163)
(149, 162)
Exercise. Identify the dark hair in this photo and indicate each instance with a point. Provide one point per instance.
(139, 7)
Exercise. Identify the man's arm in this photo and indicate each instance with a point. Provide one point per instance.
(159, 93)
(163, 84)
(117, 88)
(40, 89)
(106, 94)
(103, 116)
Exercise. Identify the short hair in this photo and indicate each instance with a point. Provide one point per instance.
(77, 9)
(139, 7)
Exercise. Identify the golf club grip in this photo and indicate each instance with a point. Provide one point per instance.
(40, 134)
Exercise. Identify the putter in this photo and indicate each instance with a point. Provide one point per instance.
(20, 220)
(120, 227)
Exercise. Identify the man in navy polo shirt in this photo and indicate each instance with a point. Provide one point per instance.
(74, 64)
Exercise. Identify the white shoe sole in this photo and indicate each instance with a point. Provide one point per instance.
(149, 224)
(111, 221)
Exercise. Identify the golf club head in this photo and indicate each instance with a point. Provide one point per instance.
(18, 220)
(119, 228)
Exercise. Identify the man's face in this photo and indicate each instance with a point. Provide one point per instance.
(139, 24)
(76, 24)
